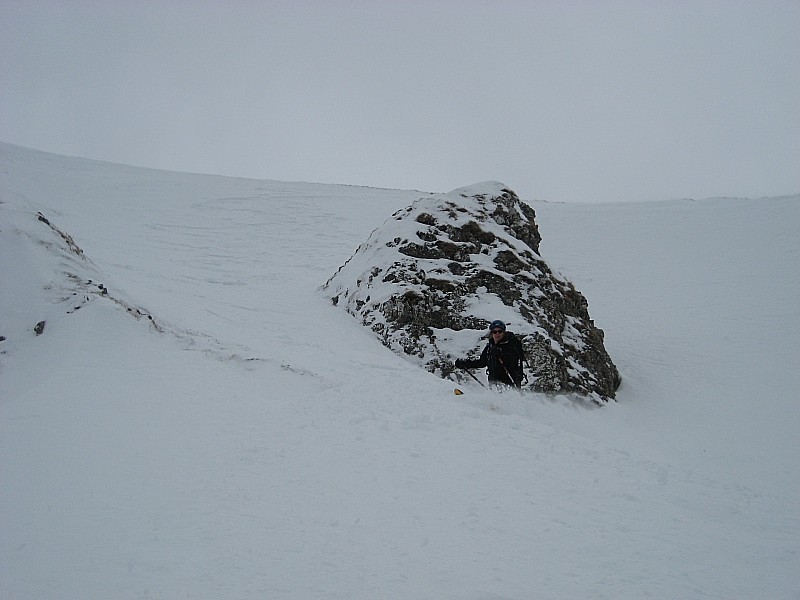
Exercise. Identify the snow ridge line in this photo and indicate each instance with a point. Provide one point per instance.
(86, 289)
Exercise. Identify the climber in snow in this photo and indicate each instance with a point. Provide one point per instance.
(502, 357)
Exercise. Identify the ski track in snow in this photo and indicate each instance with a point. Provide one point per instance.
(264, 445)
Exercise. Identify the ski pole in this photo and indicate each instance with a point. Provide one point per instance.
(475, 378)
(510, 378)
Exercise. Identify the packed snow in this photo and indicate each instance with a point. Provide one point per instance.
(197, 421)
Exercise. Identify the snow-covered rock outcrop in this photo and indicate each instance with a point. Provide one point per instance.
(431, 279)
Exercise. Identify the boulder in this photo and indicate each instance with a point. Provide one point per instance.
(430, 280)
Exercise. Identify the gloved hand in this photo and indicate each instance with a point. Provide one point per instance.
(460, 363)
(496, 351)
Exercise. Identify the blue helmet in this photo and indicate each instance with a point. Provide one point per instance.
(498, 324)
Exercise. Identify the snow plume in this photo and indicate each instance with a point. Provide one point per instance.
(432, 278)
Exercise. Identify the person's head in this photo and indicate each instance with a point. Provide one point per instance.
(497, 329)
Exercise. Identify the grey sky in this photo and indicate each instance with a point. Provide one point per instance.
(562, 101)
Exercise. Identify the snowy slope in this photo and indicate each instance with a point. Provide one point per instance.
(251, 442)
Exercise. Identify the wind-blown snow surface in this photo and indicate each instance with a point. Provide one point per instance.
(263, 445)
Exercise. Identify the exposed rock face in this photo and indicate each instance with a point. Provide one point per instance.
(432, 278)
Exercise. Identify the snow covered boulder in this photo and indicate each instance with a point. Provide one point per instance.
(431, 279)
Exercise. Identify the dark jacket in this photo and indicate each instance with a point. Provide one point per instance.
(500, 360)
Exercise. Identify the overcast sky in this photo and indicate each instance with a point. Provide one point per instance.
(561, 100)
